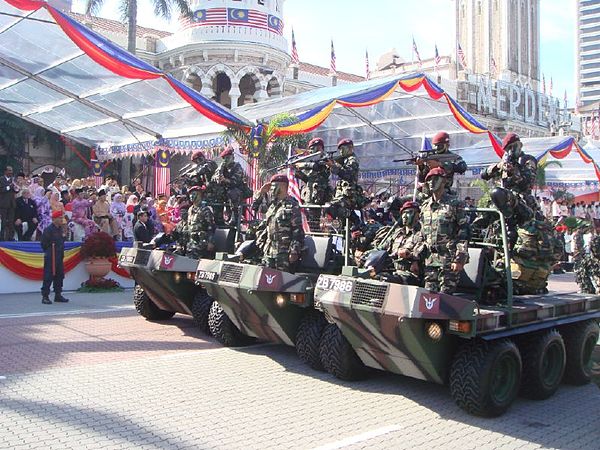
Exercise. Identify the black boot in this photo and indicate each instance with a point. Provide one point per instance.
(58, 298)
(46, 300)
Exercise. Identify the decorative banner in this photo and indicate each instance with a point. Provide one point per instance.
(123, 63)
(148, 148)
(162, 172)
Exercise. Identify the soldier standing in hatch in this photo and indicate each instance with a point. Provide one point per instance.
(408, 247)
(203, 171)
(316, 190)
(446, 230)
(283, 237)
(200, 226)
(451, 164)
(348, 193)
(228, 187)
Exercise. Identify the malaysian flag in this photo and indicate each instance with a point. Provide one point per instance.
(97, 172)
(416, 52)
(543, 84)
(162, 172)
(295, 59)
(436, 58)
(493, 67)
(367, 70)
(565, 99)
(294, 191)
(332, 67)
(550, 89)
(233, 16)
(461, 56)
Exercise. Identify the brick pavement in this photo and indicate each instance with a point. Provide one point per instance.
(115, 380)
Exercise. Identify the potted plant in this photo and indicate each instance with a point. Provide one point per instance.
(96, 251)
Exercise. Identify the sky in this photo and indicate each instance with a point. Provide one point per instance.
(381, 25)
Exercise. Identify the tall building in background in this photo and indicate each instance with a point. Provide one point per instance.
(588, 52)
(500, 38)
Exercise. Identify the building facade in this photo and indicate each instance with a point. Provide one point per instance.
(588, 52)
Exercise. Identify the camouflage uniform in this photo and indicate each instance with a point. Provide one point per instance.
(228, 186)
(203, 172)
(404, 267)
(445, 228)
(587, 274)
(458, 165)
(283, 234)
(315, 175)
(348, 193)
(200, 230)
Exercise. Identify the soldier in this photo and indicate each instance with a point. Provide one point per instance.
(516, 172)
(228, 187)
(587, 273)
(283, 237)
(203, 171)
(446, 230)
(53, 244)
(408, 247)
(348, 193)
(200, 227)
(441, 157)
(316, 190)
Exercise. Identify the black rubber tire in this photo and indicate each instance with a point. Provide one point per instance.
(580, 340)
(146, 307)
(201, 309)
(308, 338)
(338, 357)
(473, 375)
(223, 329)
(544, 359)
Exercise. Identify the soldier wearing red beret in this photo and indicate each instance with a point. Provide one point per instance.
(441, 156)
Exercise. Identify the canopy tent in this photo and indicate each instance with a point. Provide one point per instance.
(62, 76)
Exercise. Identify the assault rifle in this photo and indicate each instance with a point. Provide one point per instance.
(184, 172)
(427, 155)
(297, 159)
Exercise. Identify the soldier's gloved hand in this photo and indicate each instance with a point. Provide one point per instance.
(433, 164)
(456, 267)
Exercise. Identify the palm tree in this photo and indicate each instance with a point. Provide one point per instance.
(540, 176)
(129, 8)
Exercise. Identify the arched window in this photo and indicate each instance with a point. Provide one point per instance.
(221, 88)
(249, 84)
(195, 82)
(273, 87)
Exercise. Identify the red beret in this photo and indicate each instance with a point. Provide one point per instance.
(57, 214)
(441, 137)
(345, 142)
(279, 178)
(438, 171)
(196, 154)
(316, 141)
(410, 205)
(509, 139)
(227, 152)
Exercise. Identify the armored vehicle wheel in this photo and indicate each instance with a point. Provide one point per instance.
(201, 309)
(146, 308)
(580, 340)
(223, 329)
(544, 360)
(308, 338)
(338, 357)
(485, 376)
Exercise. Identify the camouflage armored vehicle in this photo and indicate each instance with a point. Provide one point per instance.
(165, 282)
(486, 349)
(268, 304)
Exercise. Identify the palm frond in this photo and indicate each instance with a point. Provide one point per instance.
(93, 7)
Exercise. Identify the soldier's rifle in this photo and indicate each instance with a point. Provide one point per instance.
(429, 155)
(312, 157)
(184, 172)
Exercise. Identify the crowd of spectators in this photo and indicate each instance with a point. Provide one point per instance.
(87, 207)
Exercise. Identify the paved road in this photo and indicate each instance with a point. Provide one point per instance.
(101, 377)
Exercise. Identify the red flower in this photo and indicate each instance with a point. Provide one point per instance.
(98, 244)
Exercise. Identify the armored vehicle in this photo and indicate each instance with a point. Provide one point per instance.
(268, 304)
(165, 282)
(486, 348)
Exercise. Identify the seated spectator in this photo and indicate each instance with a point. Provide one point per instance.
(26, 216)
(142, 231)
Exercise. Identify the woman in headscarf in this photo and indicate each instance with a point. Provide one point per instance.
(132, 202)
(80, 207)
(118, 211)
(42, 203)
(153, 216)
(102, 216)
(163, 215)
(56, 204)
